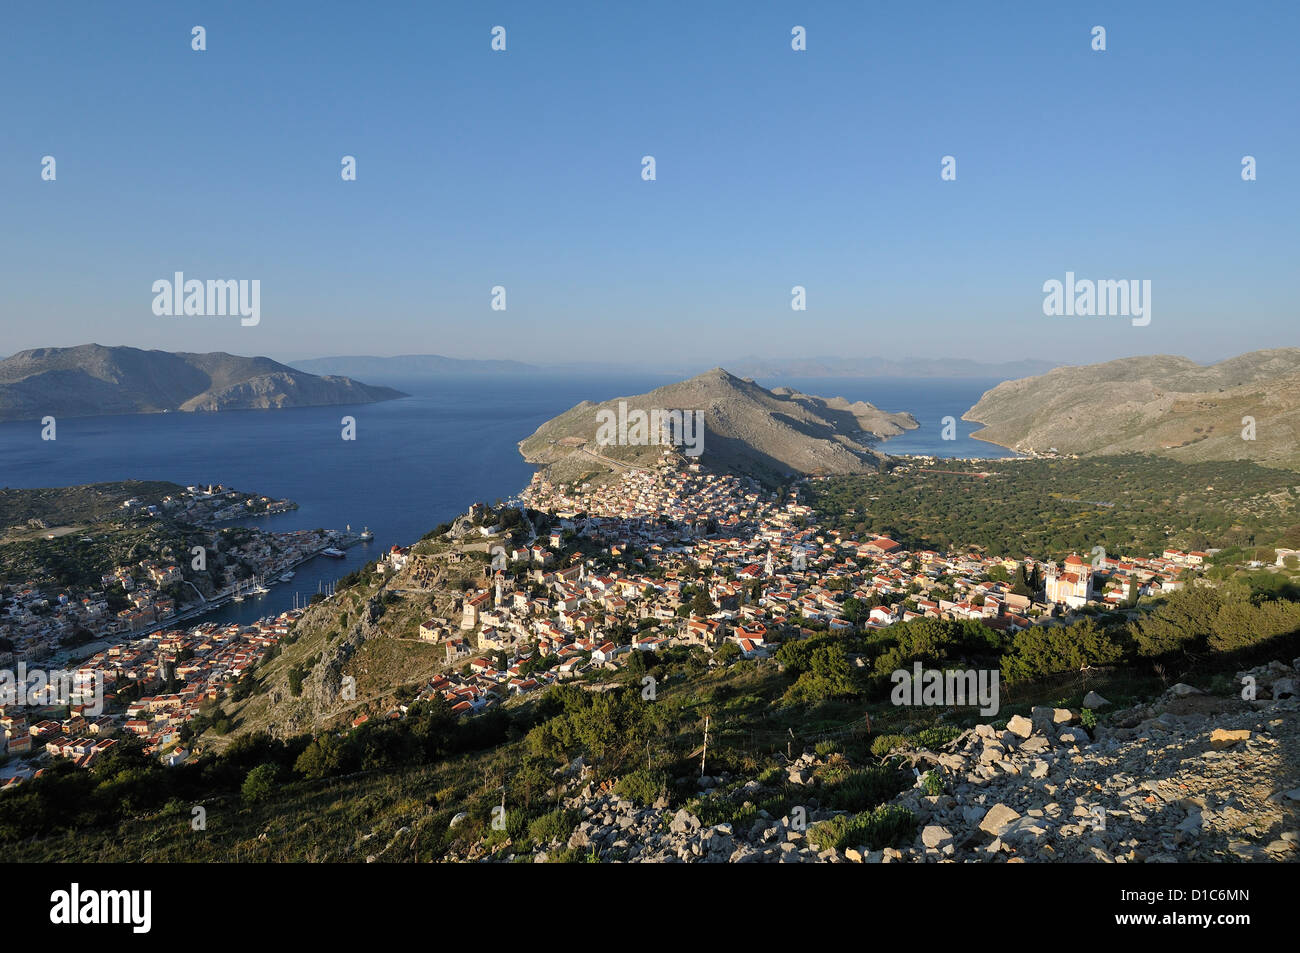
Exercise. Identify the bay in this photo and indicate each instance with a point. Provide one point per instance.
(928, 399)
(415, 463)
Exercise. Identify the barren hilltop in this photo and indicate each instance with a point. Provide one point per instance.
(1161, 404)
(769, 434)
(92, 379)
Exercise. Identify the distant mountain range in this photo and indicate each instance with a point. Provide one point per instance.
(92, 379)
(770, 434)
(413, 366)
(1161, 404)
(884, 367)
(410, 366)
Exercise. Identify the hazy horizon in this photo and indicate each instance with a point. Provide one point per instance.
(683, 366)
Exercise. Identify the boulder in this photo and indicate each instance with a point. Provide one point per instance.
(1227, 737)
(1093, 700)
(934, 836)
(1020, 726)
(684, 822)
(1035, 745)
(1074, 736)
(1023, 827)
(997, 818)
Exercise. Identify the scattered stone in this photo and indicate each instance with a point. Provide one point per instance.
(1074, 736)
(1227, 737)
(684, 822)
(997, 818)
(934, 836)
(1199, 781)
(1020, 726)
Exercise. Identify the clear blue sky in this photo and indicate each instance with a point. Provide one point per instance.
(775, 168)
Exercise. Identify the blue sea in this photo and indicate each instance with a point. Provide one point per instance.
(415, 463)
(928, 399)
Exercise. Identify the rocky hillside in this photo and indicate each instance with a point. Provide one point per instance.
(92, 379)
(1166, 405)
(748, 429)
(1188, 777)
(368, 633)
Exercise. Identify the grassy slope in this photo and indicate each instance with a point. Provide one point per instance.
(350, 818)
(77, 504)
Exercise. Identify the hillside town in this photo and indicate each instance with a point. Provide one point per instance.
(148, 688)
(671, 535)
(662, 558)
(38, 619)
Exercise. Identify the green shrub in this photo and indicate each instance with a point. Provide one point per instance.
(554, 826)
(727, 651)
(1089, 718)
(828, 676)
(573, 855)
(884, 744)
(712, 810)
(936, 736)
(642, 786)
(781, 804)
(885, 826)
(175, 807)
(259, 784)
(744, 816)
(1051, 650)
(512, 826)
(864, 789)
(516, 825)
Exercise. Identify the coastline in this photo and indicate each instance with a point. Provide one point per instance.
(193, 614)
